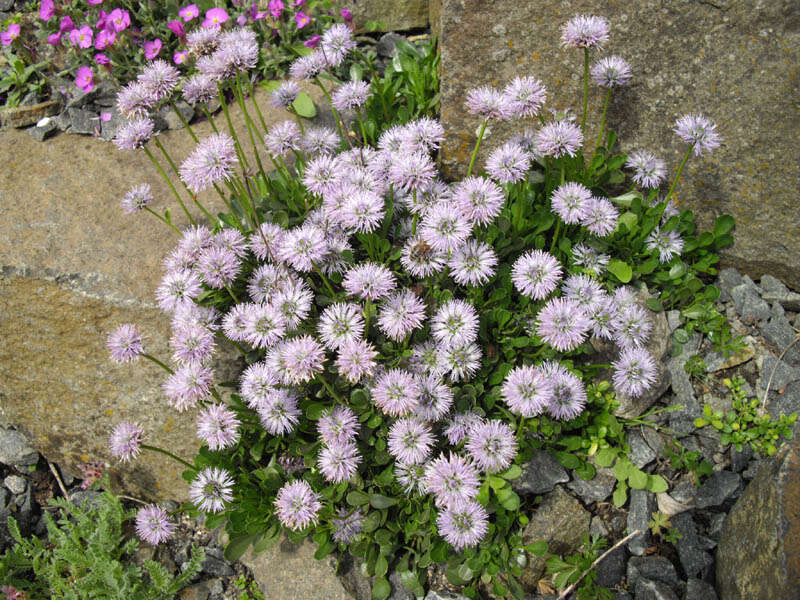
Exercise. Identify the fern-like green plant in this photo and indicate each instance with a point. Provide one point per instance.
(89, 556)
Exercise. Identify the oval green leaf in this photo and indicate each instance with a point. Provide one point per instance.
(621, 270)
(303, 105)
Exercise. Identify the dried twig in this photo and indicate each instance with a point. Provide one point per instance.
(563, 595)
(775, 368)
(134, 499)
(58, 479)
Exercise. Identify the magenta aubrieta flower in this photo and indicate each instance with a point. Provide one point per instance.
(153, 524)
(212, 161)
(338, 462)
(84, 79)
(649, 171)
(82, 38)
(396, 392)
(463, 525)
(527, 391)
(536, 274)
(297, 505)
(338, 426)
(211, 489)
(585, 31)
(301, 19)
(46, 10)
(275, 8)
(563, 324)
(611, 71)
(125, 343)
(634, 372)
(525, 95)
(410, 440)
(400, 314)
(215, 17)
(152, 48)
(570, 202)
(104, 39)
(455, 323)
(189, 12)
(119, 19)
(698, 131)
(126, 440)
(558, 139)
(452, 480)
(356, 359)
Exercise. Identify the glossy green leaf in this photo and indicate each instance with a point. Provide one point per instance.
(381, 589)
(621, 270)
(303, 105)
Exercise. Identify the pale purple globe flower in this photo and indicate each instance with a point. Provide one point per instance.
(526, 96)
(473, 263)
(196, 239)
(136, 199)
(455, 323)
(189, 384)
(336, 43)
(178, 289)
(291, 464)
(603, 317)
(279, 413)
(463, 525)
(508, 164)
(459, 426)
(589, 258)
(231, 240)
(293, 301)
(425, 359)
(125, 343)
(159, 79)
(570, 201)
(338, 426)
(233, 324)
(265, 242)
(265, 282)
(134, 134)
(258, 385)
(585, 291)
(649, 171)
(396, 392)
(239, 47)
(346, 525)
(363, 212)
(356, 359)
(635, 372)
(400, 314)
(420, 259)
(263, 326)
(412, 171)
(562, 324)
(611, 71)
(452, 480)
(411, 477)
(213, 160)
(445, 227)
(625, 296)
(211, 489)
(321, 175)
(304, 358)
(218, 267)
(600, 216)
(350, 95)
(134, 100)
(668, 244)
(192, 343)
(297, 505)
(218, 427)
(320, 140)
(632, 327)
(487, 103)
(282, 138)
(585, 31)
(492, 445)
(435, 399)
(338, 462)
(461, 360)
(479, 199)
(285, 94)
(699, 131)
(302, 247)
(203, 40)
(153, 524)
(340, 323)
(422, 135)
(536, 274)
(410, 440)
(308, 67)
(370, 281)
(569, 394)
(199, 88)
(126, 440)
(558, 139)
(527, 391)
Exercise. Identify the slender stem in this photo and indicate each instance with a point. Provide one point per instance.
(158, 362)
(174, 168)
(183, 121)
(603, 121)
(477, 145)
(158, 216)
(298, 119)
(258, 109)
(678, 174)
(249, 123)
(232, 131)
(555, 236)
(168, 453)
(230, 291)
(335, 114)
(326, 282)
(364, 141)
(210, 118)
(585, 89)
(328, 387)
(367, 310)
(169, 183)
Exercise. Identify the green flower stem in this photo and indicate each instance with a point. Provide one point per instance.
(158, 216)
(239, 151)
(330, 389)
(367, 310)
(255, 215)
(250, 124)
(678, 174)
(298, 119)
(414, 222)
(174, 168)
(210, 118)
(326, 282)
(335, 114)
(169, 183)
(602, 122)
(233, 343)
(230, 291)
(183, 121)
(170, 454)
(252, 92)
(364, 141)
(585, 89)
(521, 426)
(228, 204)
(477, 145)
(600, 366)
(555, 236)
(158, 362)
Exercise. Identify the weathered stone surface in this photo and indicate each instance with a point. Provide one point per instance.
(691, 553)
(22, 116)
(734, 61)
(73, 268)
(653, 590)
(596, 489)
(717, 488)
(642, 505)
(757, 554)
(43, 129)
(397, 15)
(15, 449)
(560, 521)
(655, 568)
(540, 474)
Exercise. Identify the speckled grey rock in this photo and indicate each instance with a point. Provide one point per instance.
(655, 568)
(398, 15)
(387, 45)
(642, 505)
(641, 453)
(15, 449)
(740, 458)
(83, 121)
(171, 119)
(775, 291)
(15, 484)
(697, 589)
(41, 132)
(611, 569)
(683, 420)
(727, 279)
(749, 305)
(780, 334)
(781, 373)
(540, 474)
(653, 590)
(596, 489)
(215, 564)
(692, 556)
(717, 488)
(441, 595)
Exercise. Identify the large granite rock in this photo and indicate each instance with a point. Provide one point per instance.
(397, 15)
(736, 62)
(73, 268)
(757, 554)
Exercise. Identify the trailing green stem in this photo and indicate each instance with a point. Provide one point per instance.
(250, 125)
(477, 145)
(678, 174)
(169, 183)
(174, 168)
(158, 362)
(158, 216)
(210, 118)
(335, 113)
(170, 454)
(328, 387)
(603, 121)
(239, 151)
(585, 89)
(183, 121)
(326, 282)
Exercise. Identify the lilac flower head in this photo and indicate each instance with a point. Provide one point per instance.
(411, 477)
(421, 135)
(291, 464)
(218, 267)
(192, 343)
(632, 327)
(302, 247)
(396, 392)
(370, 281)
(337, 41)
(600, 216)
(340, 323)
(455, 323)
(279, 414)
(487, 103)
(153, 524)
(265, 242)
(473, 263)
(461, 360)
(585, 291)
(135, 100)
(308, 67)
(435, 398)
(536, 274)
(479, 199)
(320, 175)
(699, 131)
(611, 71)
(525, 95)
(410, 440)
(569, 395)
(126, 440)
(283, 138)
(297, 505)
(320, 140)
(492, 445)
(125, 343)
(401, 313)
(635, 372)
(346, 525)
(649, 171)
(527, 391)
(363, 212)
(218, 427)
(258, 384)
(304, 357)
(563, 324)
(137, 198)
(444, 227)
(589, 259)
(211, 489)
(159, 79)
(239, 47)
(338, 462)
(412, 171)
(452, 480)
(420, 259)
(178, 289)
(584, 31)
(668, 244)
(134, 134)
(459, 427)
(356, 359)
(570, 202)
(508, 164)
(559, 138)
(350, 95)
(188, 385)
(199, 88)
(603, 316)
(212, 161)
(463, 525)
(203, 40)
(338, 426)
(285, 94)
